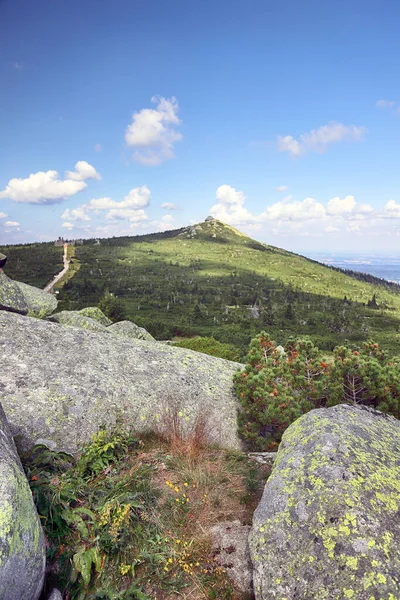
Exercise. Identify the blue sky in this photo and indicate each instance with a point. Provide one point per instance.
(131, 116)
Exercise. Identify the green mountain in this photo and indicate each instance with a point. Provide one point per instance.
(210, 279)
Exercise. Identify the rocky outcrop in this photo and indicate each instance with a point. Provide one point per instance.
(130, 330)
(22, 554)
(95, 313)
(60, 384)
(11, 296)
(328, 524)
(231, 552)
(75, 319)
(39, 303)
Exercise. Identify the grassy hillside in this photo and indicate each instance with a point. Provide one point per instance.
(210, 279)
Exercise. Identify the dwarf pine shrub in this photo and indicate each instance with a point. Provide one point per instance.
(278, 385)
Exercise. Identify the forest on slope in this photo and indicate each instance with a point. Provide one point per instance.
(210, 279)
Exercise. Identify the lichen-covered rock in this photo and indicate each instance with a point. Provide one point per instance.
(75, 319)
(95, 313)
(328, 524)
(40, 304)
(11, 296)
(60, 384)
(22, 553)
(130, 330)
(231, 552)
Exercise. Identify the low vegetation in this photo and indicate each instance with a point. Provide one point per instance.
(210, 346)
(131, 518)
(278, 385)
(35, 264)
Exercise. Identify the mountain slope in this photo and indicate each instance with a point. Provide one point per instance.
(211, 279)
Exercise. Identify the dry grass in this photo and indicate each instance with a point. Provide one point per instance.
(201, 486)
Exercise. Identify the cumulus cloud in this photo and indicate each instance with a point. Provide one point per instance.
(3, 215)
(281, 188)
(331, 229)
(68, 225)
(11, 224)
(152, 132)
(391, 210)
(131, 208)
(47, 188)
(319, 139)
(230, 206)
(294, 211)
(76, 214)
(385, 103)
(82, 172)
(347, 207)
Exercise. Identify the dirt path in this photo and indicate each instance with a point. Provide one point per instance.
(57, 277)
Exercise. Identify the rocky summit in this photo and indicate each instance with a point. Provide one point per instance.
(22, 553)
(60, 384)
(328, 524)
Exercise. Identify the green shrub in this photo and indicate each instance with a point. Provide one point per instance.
(277, 387)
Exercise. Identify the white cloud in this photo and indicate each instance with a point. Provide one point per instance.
(82, 172)
(128, 214)
(68, 226)
(230, 206)
(3, 215)
(137, 198)
(385, 103)
(98, 148)
(391, 210)
(131, 208)
(331, 229)
(281, 188)
(319, 139)
(294, 211)
(347, 207)
(152, 132)
(11, 224)
(47, 188)
(76, 214)
(169, 206)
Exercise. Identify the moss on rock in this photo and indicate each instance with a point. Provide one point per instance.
(328, 524)
(40, 304)
(75, 319)
(22, 555)
(130, 330)
(11, 296)
(95, 313)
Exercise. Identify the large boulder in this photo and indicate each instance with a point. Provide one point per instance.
(328, 524)
(22, 553)
(75, 319)
(60, 384)
(11, 297)
(130, 330)
(95, 313)
(39, 303)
